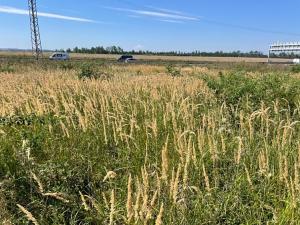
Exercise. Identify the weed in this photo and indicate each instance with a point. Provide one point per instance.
(7, 68)
(217, 147)
(66, 66)
(238, 86)
(91, 71)
(173, 71)
(295, 69)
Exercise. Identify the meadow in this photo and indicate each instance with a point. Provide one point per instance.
(96, 142)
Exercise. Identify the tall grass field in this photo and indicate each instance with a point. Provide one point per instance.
(102, 143)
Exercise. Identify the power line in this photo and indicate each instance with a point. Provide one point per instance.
(222, 24)
(248, 28)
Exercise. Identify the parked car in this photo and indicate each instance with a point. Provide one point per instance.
(59, 56)
(296, 61)
(126, 58)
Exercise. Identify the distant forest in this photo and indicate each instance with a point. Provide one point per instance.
(119, 50)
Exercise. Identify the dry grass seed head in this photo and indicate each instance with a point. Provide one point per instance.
(165, 160)
(158, 220)
(129, 204)
(28, 215)
(85, 206)
(112, 208)
(40, 186)
(109, 175)
(57, 196)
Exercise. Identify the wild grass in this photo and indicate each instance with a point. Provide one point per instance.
(144, 147)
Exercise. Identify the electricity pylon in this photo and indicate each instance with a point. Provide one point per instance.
(35, 31)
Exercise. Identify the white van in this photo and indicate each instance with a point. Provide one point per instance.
(59, 56)
(296, 61)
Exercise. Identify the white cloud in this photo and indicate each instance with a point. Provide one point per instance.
(11, 10)
(156, 14)
(165, 15)
(165, 10)
(134, 16)
(172, 21)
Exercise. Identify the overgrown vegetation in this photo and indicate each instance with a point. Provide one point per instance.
(208, 147)
(295, 69)
(173, 71)
(6, 68)
(239, 87)
(93, 71)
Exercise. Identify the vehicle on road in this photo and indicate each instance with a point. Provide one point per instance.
(296, 61)
(59, 56)
(126, 58)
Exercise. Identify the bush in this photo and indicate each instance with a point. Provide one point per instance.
(295, 69)
(87, 72)
(6, 69)
(90, 71)
(173, 71)
(66, 66)
(236, 87)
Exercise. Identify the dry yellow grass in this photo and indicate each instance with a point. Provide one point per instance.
(28, 214)
(23, 92)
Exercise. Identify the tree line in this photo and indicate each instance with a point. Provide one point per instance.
(119, 50)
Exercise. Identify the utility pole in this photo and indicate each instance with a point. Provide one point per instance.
(35, 31)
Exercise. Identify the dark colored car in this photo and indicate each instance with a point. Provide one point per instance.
(126, 58)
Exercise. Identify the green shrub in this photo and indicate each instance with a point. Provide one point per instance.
(87, 72)
(173, 71)
(7, 69)
(91, 71)
(66, 66)
(236, 87)
(295, 69)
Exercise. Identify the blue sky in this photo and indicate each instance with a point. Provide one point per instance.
(185, 25)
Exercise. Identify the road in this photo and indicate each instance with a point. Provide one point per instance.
(190, 59)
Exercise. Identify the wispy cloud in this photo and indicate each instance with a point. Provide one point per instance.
(134, 16)
(165, 10)
(172, 21)
(11, 10)
(157, 14)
